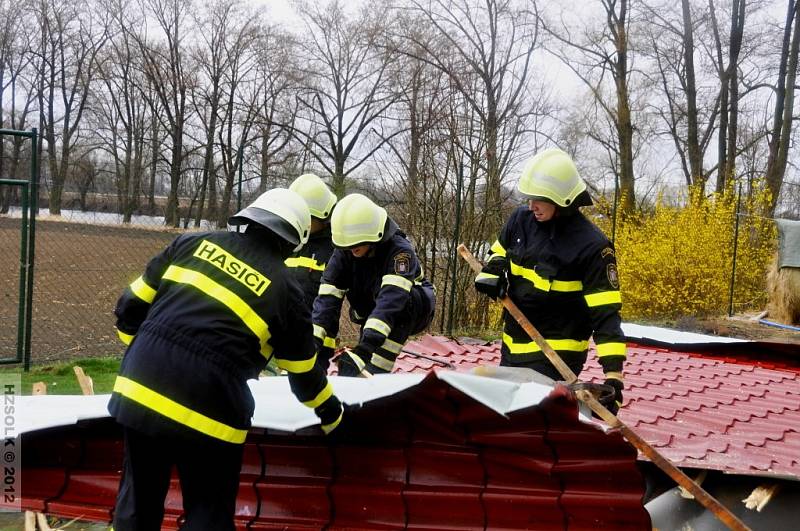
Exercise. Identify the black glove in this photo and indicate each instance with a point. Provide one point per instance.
(324, 354)
(345, 431)
(492, 281)
(613, 402)
(353, 361)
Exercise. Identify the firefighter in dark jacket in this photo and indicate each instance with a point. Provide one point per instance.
(377, 269)
(309, 262)
(207, 315)
(561, 271)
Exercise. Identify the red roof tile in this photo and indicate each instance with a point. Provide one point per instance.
(737, 412)
(429, 457)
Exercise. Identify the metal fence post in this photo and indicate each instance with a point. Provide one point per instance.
(735, 249)
(34, 204)
(30, 205)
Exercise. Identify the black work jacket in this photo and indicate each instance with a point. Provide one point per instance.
(378, 288)
(309, 262)
(207, 314)
(563, 276)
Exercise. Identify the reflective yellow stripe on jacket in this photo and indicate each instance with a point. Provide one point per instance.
(140, 288)
(125, 338)
(611, 349)
(542, 283)
(177, 412)
(497, 249)
(526, 347)
(603, 297)
(228, 298)
(304, 261)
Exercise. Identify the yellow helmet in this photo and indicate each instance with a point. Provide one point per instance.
(280, 210)
(356, 220)
(551, 174)
(319, 197)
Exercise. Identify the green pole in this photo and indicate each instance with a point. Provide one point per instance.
(34, 204)
(735, 248)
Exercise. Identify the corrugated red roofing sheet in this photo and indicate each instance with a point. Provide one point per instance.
(737, 413)
(429, 457)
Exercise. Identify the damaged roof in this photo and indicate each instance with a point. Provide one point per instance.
(448, 451)
(737, 412)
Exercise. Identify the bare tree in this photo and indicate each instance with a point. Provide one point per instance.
(780, 135)
(729, 90)
(228, 32)
(72, 34)
(345, 87)
(239, 110)
(15, 56)
(123, 112)
(493, 44)
(690, 112)
(166, 66)
(277, 106)
(601, 51)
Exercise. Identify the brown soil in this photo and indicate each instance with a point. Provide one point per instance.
(744, 326)
(79, 272)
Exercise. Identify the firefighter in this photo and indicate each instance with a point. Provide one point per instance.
(561, 271)
(309, 262)
(207, 314)
(377, 269)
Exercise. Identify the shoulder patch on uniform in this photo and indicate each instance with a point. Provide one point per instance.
(402, 263)
(608, 251)
(613, 276)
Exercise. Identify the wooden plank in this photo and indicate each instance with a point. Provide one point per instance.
(86, 383)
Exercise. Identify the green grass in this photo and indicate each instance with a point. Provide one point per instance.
(60, 378)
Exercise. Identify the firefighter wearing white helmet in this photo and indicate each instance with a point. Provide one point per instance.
(207, 314)
(561, 270)
(377, 269)
(308, 263)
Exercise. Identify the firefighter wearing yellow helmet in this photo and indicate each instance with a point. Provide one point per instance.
(207, 314)
(308, 263)
(561, 270)
(377, 269)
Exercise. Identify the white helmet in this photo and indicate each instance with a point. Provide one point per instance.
(319, 197)
(551, 174)
(282, 211)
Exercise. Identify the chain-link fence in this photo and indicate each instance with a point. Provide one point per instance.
(83, 261)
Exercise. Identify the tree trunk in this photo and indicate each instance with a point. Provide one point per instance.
(172, 215)
(784, 107)
(413, 154)
(693, 145)
(154, 152)
(624, 124)
(729, 97)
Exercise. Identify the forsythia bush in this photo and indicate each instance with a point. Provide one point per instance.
(676, 261)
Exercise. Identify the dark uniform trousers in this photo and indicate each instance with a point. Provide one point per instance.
(209, 477)
(415, 318)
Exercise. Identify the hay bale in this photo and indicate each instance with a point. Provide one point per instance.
(783, 289)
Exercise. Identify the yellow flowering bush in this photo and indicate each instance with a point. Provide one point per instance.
(677, 261)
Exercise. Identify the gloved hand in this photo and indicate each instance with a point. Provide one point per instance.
(324, 354)
(344, 431)
(614, 402)
(492, 281)
(353, 361)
